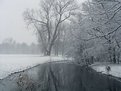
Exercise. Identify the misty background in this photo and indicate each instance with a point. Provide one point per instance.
(15, 36)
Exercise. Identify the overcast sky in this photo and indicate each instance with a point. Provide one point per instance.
(12, 24)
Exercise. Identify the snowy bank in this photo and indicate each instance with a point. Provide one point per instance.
(14, 63)
(101, 67)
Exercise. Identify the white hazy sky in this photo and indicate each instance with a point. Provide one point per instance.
(12, 24)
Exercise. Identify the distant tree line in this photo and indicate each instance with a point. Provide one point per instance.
(9, 46)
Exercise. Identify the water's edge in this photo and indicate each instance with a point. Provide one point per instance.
(71, 77)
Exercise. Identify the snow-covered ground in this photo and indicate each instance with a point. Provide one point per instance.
(15, 63)
(115, 69)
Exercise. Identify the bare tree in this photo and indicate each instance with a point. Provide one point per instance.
(48, 19)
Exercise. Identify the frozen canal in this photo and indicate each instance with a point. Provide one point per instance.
(14, 63)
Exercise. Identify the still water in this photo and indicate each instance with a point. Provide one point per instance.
(14, 63)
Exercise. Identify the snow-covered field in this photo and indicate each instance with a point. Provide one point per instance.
(115, 69)
(14, 63)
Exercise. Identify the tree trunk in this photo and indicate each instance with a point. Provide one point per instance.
(47, 53)
(49, 49)
(114, 56)
(118, 57)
